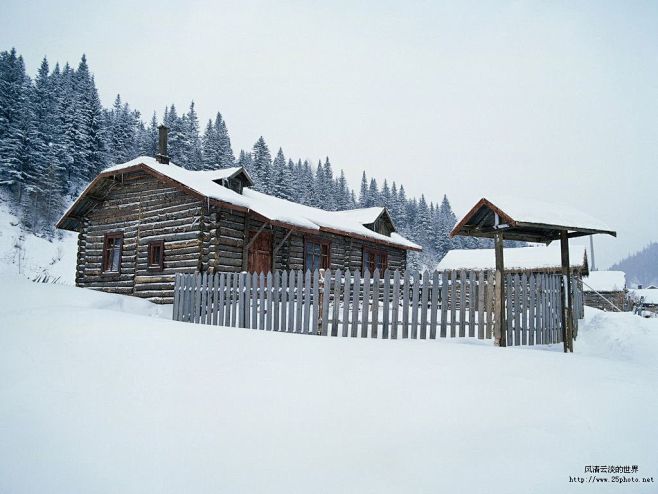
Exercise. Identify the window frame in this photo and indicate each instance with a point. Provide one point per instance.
(322, 243)
(105, 265)
(150, 265)
(372, 254)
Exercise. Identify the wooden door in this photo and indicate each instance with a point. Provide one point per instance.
(260, 253)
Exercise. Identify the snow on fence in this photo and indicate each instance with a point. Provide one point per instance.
(396, 305)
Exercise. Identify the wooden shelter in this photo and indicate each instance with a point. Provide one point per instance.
(531, 221)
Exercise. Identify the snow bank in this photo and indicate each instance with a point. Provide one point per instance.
(98, 400)
(24, 254)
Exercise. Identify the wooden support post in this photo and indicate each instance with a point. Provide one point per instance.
(278, 247)
(567, 309)
(500, 329)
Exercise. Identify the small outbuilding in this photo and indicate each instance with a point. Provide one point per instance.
(606, 290)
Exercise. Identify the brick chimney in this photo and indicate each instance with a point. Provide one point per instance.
(162, 157)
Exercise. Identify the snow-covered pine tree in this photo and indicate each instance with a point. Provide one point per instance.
(363, 191)
(280, 182)
(262, 162)
(373, 193)
(89, 139)
(192, 146)
(210, 147)
(225, 156)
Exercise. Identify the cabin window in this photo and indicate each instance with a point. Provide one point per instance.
(112, 249)
(374, 259)
(316, 255)
(156, 255)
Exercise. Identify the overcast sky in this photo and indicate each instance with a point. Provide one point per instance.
(535, 99)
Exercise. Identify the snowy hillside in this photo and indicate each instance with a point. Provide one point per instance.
(101, 393)
(24, 254)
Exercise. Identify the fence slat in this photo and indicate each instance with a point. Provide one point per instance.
(481, 292)
(472, 302)
(406, 293)
(346, 302)
(453, 304)
(270, 304)
(395, 303)
(365, 304)
(262, 308)
(246, 300)
(375, 304)
(254, 301)
(462, 303)
(300, 301)
(517, 301)
(284, 301)
(444, 303)
(336, 307)
(307, 301)
(385, 303)
(524, 309)
(414, 305)
(316, 302)
(424, 298)
(276, 298)
(291, 301)
(356, 291)
(532, 308)
(325, 302)
(434, 304)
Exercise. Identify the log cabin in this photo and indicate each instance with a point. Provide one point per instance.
(141, 222)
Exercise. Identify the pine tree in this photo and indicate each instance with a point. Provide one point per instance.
(363, 192)
(262, 162)
(280, 183)
(373, 194)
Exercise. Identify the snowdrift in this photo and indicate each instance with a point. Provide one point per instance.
(102, 393)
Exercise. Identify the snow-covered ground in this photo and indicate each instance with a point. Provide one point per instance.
(102, 393)
(24, 254)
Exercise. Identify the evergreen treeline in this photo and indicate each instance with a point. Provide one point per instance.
(55, 136)
(641, 268)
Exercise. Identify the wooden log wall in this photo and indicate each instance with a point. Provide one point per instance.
(144, 210)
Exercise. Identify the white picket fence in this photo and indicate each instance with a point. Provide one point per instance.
(396, 305)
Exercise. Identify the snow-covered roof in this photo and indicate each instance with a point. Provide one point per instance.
(527, 219)
(605, 281)
(531, 258)
(650, 295)
(535, 211)
(271, 208)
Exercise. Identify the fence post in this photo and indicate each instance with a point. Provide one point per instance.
(500, 327)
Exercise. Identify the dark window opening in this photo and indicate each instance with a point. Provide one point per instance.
(375, 259)
(112, 249)
(156, 255)
(316, 255)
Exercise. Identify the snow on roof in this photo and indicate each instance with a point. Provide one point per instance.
(535, 211)
(270, 207)
(605, 281)
(650, 295)
(540, 257)
(365, 216)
